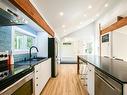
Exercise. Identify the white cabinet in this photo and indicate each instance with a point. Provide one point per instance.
(42, 75)
(90, 79)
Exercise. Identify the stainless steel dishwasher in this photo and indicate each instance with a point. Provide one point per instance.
(104, 85)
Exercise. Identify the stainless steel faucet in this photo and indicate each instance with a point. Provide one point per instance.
(31, 49)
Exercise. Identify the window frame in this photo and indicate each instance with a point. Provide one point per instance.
(27, 33)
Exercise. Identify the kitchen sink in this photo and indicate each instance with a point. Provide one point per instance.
(37, 59)
(30, 62)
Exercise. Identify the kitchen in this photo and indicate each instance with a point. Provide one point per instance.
(45, 54)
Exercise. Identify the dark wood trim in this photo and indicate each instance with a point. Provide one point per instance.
(115, 26)
(119, 18)
(28, 9)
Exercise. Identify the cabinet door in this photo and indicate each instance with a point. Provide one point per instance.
(42, 75)
(91, 77)
(46, 70)
(37, 79)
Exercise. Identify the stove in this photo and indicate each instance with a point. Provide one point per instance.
(4, 64)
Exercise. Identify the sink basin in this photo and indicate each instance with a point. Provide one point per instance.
(28, 62)
(37, 58)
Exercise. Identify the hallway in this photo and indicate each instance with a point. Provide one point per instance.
(67, 82)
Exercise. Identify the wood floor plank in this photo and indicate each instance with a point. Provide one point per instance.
(66, 83)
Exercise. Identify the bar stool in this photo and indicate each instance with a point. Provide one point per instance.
(83, 72)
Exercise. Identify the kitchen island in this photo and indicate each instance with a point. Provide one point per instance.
(111, 68)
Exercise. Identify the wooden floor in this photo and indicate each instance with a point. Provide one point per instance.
(66, 83)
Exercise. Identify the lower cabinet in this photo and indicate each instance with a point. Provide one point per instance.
(42, 75)
(90, 79)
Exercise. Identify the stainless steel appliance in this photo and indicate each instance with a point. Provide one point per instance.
(8, 18)
(104, 85)
(24, 86)
(4, 64)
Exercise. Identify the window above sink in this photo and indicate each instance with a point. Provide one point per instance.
(22, 40)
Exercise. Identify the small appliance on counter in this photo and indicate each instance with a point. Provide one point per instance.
(4, 64)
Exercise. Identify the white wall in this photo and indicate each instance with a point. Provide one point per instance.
(79, 40)
(42, 44)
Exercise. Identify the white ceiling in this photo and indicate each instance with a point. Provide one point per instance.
(74, 11)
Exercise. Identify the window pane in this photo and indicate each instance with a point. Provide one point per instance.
(22, 41)
(29, 42)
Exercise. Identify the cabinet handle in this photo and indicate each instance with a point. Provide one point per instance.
(36, 71)
(36, 84)
(90, 70)
(36, 77)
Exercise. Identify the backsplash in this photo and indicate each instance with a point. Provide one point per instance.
(21, 57)
(5, 38)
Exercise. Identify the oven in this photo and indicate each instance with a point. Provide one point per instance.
(104, 85)
(23, 86)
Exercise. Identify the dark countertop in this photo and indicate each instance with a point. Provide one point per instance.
(17, 71)
(116, 69)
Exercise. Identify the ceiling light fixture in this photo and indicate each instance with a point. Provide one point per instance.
(63, 26)
(80, 23)
(92, 20)
(97, 15)
(106, 5)
(64, 30)
(61, 13)
(85, 15)
(78, 27)
(89, 7)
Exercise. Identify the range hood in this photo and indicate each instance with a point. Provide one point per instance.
(9, 18)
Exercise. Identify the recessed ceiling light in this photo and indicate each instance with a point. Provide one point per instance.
(97, 15)
(80, 23)
(92, 20)
(106, 5)
(61, 13)
(78, 27)
(90, 6)
(63, 26)
(85, 15)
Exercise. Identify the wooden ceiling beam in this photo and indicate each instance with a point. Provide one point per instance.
(115, 26)
(28, 9)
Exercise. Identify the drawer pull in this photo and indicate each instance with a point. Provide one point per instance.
(36, 84)
(36, 77)
(36, 71)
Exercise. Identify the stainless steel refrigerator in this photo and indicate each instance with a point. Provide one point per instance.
(53, 54)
